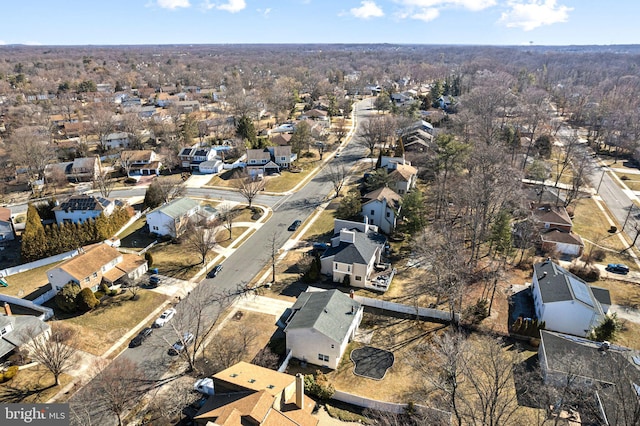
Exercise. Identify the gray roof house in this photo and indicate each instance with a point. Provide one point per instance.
(171, 218)
(16, 330)
(565, 302)
(320, 326)
(80, 208)
(354, 252)
(609, 372)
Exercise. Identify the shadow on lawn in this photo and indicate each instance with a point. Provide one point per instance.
(11, 394)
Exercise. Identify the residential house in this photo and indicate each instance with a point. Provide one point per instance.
(390, 163)
(140, 162)
(95, 264)
(79, 170)
(7, 231)
(259, 161)
(382, 207)
(565, 302)
(73, 130)
(191, 157)
(419, 141)
(282, 139)
(186, 107)
(171, 218)
(404, 178)
(610, 373)
(315, 114)
(211, 167)
(282, 156)
(321, 325)
(17, 331)
(555, 228)
(80, 208)
(356, 249)
(116, 140)
(247, 394)
(60, 119)
(402, 99)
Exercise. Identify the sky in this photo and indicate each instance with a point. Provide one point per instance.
(462, 22)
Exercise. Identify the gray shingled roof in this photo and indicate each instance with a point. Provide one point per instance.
(361, 251)
(328, 312)
(557, 284)
(177, 208)
(21, 326)
(84, 202)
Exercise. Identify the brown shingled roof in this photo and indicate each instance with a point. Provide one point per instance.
(403, 172)
(90, 261)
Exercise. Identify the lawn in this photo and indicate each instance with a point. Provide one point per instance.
(136, 236)
(101, 328)
(32, 385)
(24, 283)
(244, 214)
(223, 236)
(175, 260)
(322, 227)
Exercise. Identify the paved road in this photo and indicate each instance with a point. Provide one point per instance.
(245, 263)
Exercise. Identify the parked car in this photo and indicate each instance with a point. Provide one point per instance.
(214, 271)
(295, 225)
(141, 337)
(154, 280)
(618, 268)
(204, 386)
(165, 317)
(180, 345)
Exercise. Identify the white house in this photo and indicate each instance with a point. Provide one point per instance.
(17, 331)
(566, 303)
(94, 264)
(282, 155)
(7, 232)
(355, 250)
(403, 177)
(116, 140)
(191, 157)
(321, 325)
(210, 167)
(381, 207)
(80, 208)
(171, 218)
(140, 162)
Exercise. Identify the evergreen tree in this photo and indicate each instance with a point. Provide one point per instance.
(86, 300)
(34, 242)
(154, 196)
(501, 234)
(413, 212)
(399, 152)
(66, 297)
(246, 130)
(379, 161)
(350, 206)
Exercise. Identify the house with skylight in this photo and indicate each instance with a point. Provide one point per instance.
(565, 302)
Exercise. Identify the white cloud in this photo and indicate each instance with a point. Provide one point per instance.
(368, 10)
(32, 43)
(531, 14)
(428, 10)
(2, 42)
(233, 6)
(264, 12)
(173, 4)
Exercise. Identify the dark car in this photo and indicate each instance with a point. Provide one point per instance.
(214, 271)
(141, 337)
(295, 225)
(618, 268)
(154, 280)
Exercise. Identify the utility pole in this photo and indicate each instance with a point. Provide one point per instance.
(627, 218)
(604, 171)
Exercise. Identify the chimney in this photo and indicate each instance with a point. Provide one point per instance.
(351, 294)
(300, 391)
(7, 309)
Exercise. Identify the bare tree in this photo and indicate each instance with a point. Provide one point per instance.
(116, 387)
(170, 188)
(376, 132)
(104, 183)
(273, 252)
(169, 401)
(30, 148)
(338, 176)
(56, 353)
(249, 187)
(223, 353)
(340, 129)
(200, 239)
(227, 215)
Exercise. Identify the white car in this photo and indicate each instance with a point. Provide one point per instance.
(165, 317)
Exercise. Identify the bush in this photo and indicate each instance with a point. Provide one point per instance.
(9, 373)
(130, 181)
(66, 297)
(112, 292)
(86, 300)
(103, 287)
(589, 274)
(99, 294)
(478, 311)
(318, 386)
(599, 255)
(346, 281)
(149, 258)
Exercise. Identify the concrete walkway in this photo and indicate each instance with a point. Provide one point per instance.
(262, 304)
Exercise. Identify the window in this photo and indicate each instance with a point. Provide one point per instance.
(322, 357)
(155, 228)
(333, 346)
(388, 214)
(86, 280)
(373, 212)
(358, 278)
(95, 275)
(348, 268)
(400, 191)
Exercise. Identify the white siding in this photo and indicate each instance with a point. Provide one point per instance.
(307, 344)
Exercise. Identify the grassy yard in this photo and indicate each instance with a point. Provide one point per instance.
(101, 328)
(322, 228)
(244, 214)
(223, 236)
(175, 260)
(24, 283)
(136, 236)
(32, 385)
